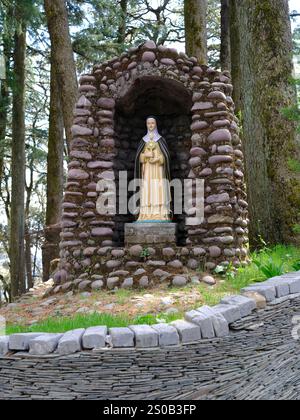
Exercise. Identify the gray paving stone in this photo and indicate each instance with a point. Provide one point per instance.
(4, 340)
(94, 338)
(280, 300)
(145, 336)
(293, 280)
(294, 286)
(71, 342)
(45, 344)
(281, 285)
(204, 322)
(245, 304)
(121, 337)
(266, 290)
(188, 332)
(231, 313)
(220, 324)
(20, 342)
(167, 335)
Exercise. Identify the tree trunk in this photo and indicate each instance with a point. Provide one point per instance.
(195, 12)
(122, 26)
(235, 52)
(225, 36)
(4, 104)
(55, 176)
(62, 59)
(29, 190)
(28, 258)
(17, 258)
(269, 138)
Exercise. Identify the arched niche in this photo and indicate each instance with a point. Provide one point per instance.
(170, 102)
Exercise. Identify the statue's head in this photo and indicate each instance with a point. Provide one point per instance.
(152, 130)
(151, 124)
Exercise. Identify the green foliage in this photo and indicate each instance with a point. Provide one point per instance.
(220, 269)
(296, 229)
(294, 165)
(145, 253)
(267, 263)
(214, 32)
(271, 268)
(101, 30)
(293, 113)
(296, 266)
(105, 30)
(296, 41)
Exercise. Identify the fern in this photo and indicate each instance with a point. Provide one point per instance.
(270, 268)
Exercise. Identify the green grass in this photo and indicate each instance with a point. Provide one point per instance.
(268, 261)
(60, 325)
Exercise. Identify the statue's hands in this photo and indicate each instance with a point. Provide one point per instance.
(154, 160)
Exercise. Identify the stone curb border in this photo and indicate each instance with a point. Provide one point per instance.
(203, 323)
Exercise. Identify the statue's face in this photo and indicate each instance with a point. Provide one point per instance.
(151, 124)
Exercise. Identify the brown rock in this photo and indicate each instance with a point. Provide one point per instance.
(106, 103)
(218, 136)
(78, 174)
(136, 250)
(97, 285)
(215, 251)
(85, 285)
(113, 264)
(260, 300)
(149, 56)
(78, 130)
(175, 264)
(102, 232)
(144, 281)
(167, 62)
(209, 280)
(168, 252)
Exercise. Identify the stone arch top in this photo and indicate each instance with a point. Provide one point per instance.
(214, 154)
(145, 60)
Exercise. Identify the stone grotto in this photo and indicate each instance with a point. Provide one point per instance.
(195, 114)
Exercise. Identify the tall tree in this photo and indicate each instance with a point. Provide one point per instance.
(55, 176)
(265, 62)
(114, 27)
(17, 224)
(235, 51)
(6, 18)
(4, 105)
(122, 24)
(62, 59)
(225, 36)
(195, 13)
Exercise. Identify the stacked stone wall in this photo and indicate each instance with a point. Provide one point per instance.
(258, 360)
(105, 137)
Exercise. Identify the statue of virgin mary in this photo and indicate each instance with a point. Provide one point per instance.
(152, 167)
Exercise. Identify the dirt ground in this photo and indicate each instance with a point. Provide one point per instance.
(32, 308)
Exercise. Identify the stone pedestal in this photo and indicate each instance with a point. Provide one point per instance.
(158, 234)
